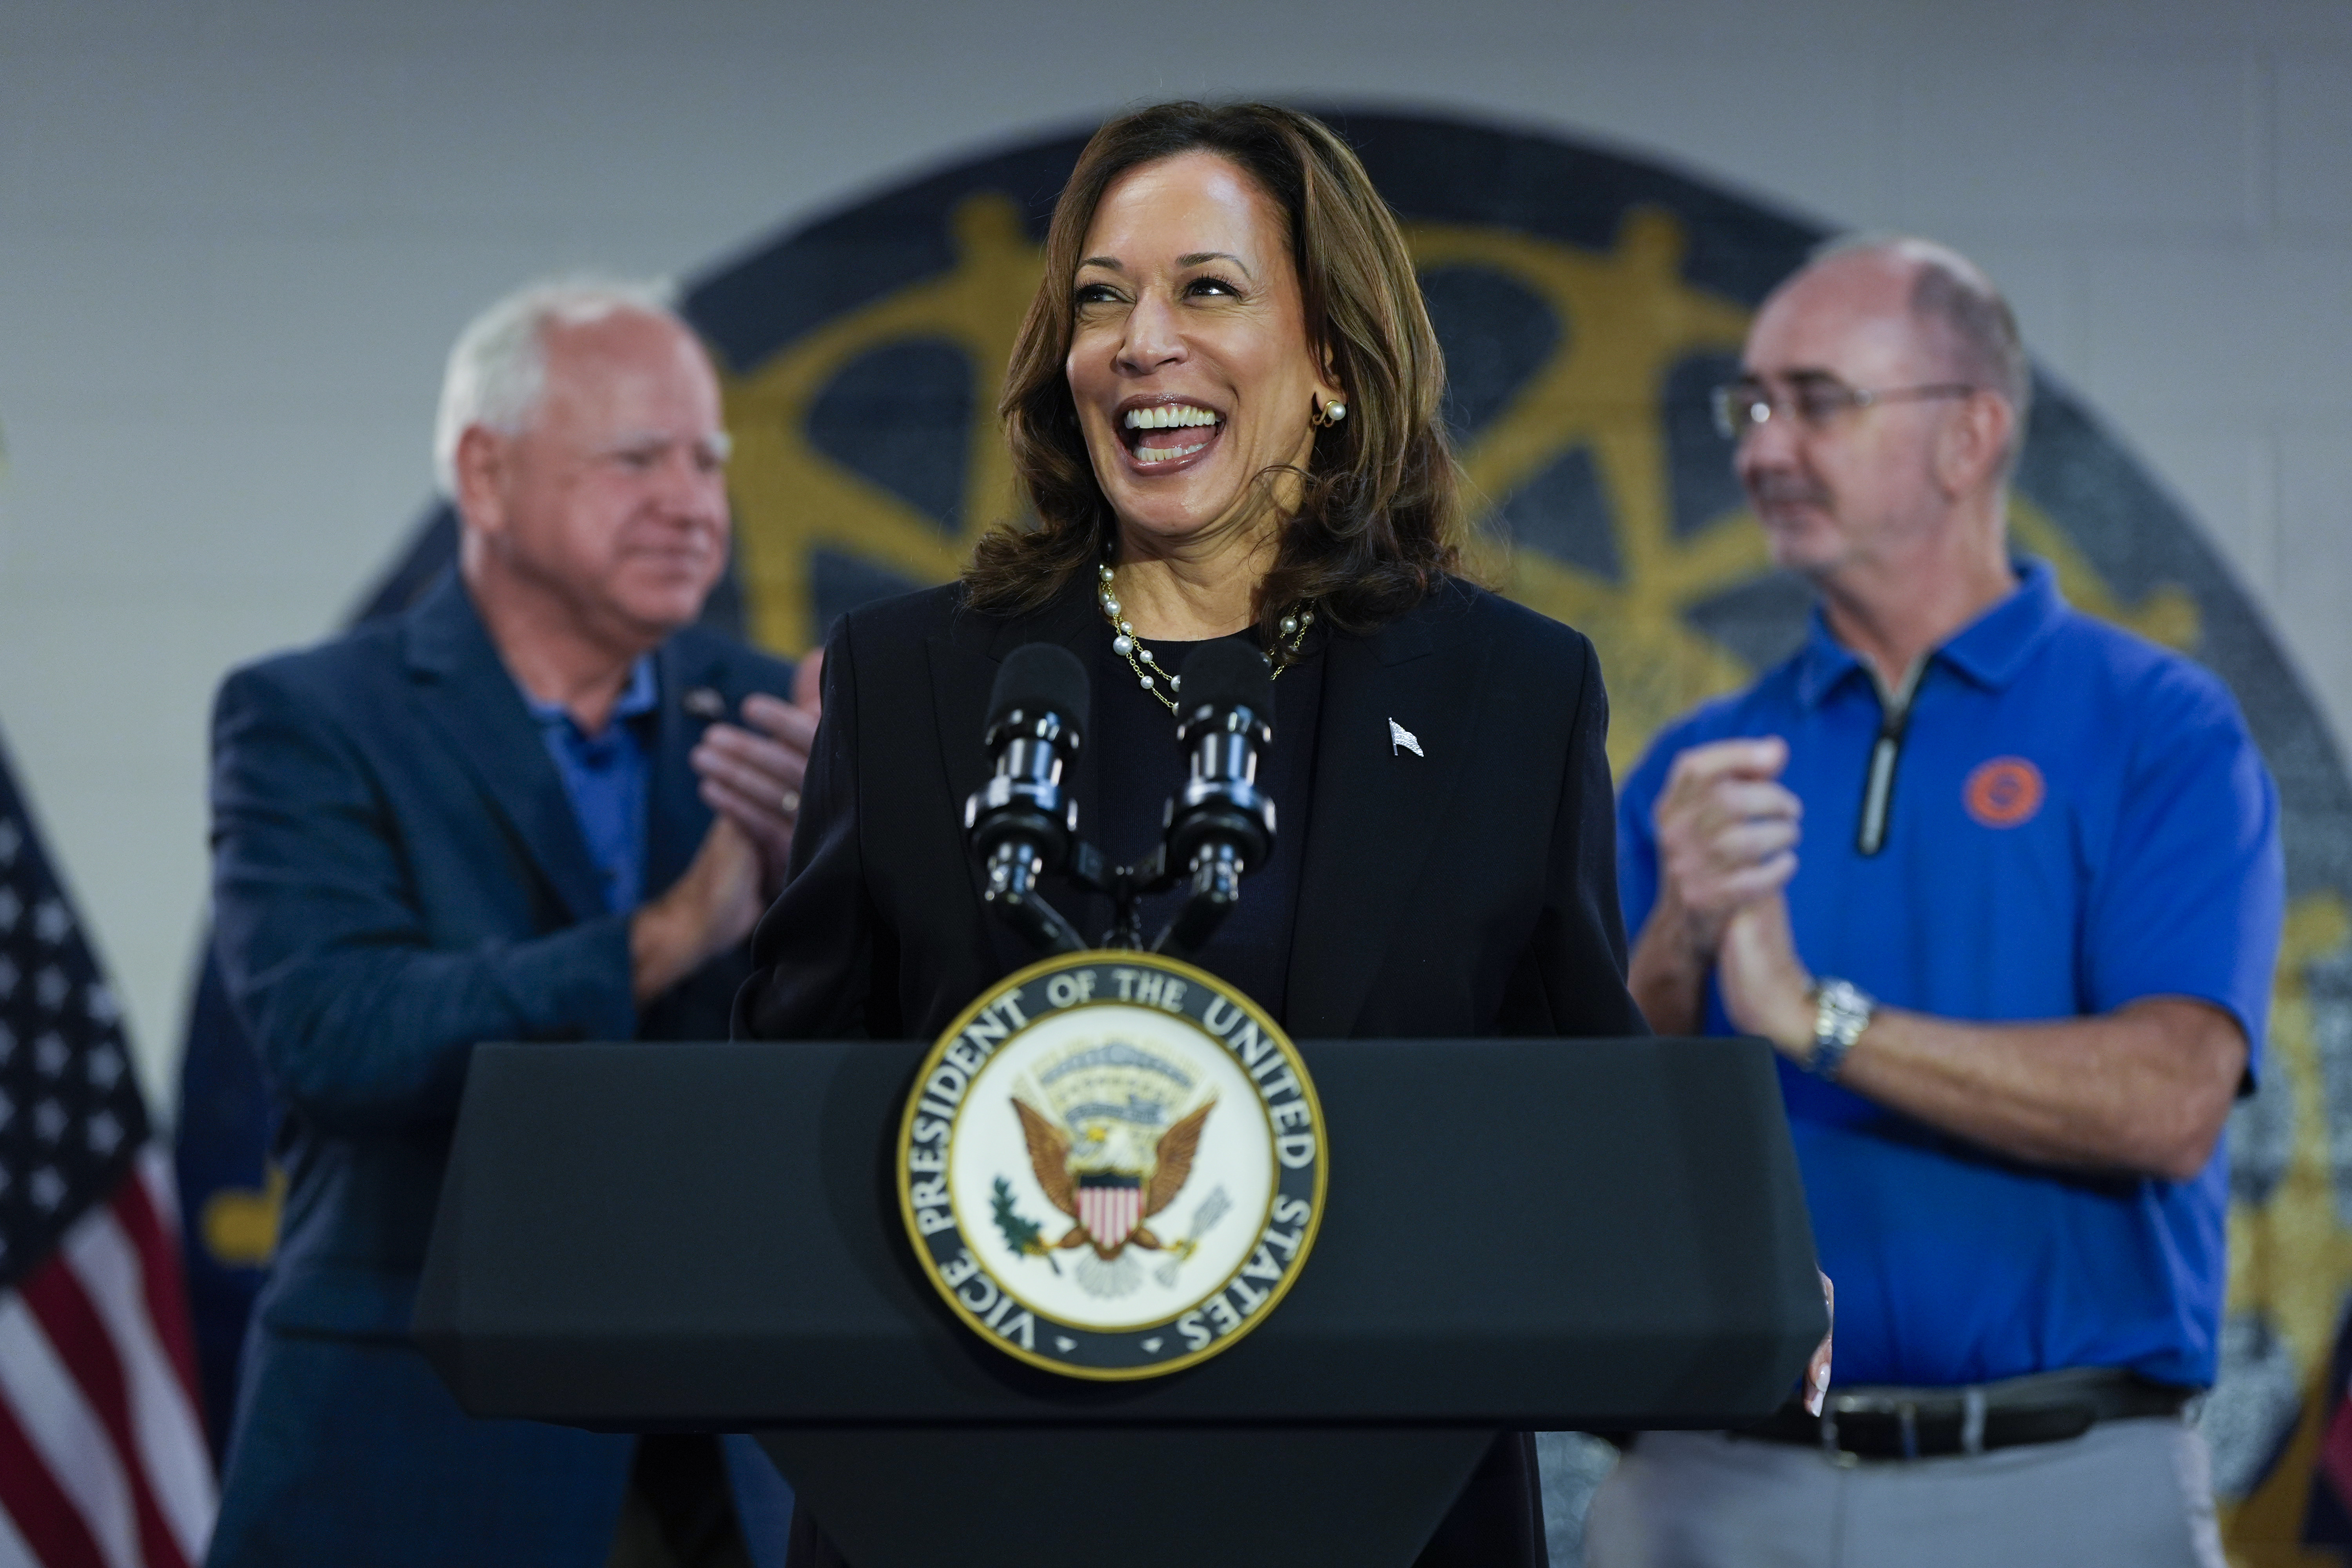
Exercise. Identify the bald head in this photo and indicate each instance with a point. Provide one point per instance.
(1966, 330)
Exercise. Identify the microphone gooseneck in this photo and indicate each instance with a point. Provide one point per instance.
(1221, 827)
(1022, 825)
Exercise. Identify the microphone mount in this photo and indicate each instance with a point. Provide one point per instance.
(1022, 825)
(1220, 828)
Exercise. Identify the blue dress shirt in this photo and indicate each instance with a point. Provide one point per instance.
(605, 775)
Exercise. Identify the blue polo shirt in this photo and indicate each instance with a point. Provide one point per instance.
(2078, 819)
(605, 778)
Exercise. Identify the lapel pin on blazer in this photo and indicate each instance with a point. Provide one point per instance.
(703, 703)
(1402, 740)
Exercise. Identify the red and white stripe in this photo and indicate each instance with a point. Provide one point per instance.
(102, 1456)
(1110, 1213)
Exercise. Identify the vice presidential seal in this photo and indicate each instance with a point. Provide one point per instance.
(1112, 1165)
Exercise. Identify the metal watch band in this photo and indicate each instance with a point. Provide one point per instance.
(1841, 1012)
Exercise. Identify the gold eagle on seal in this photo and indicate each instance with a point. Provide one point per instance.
(1112, 1169)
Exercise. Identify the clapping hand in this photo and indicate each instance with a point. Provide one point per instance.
(752, 773)
(1728, 832)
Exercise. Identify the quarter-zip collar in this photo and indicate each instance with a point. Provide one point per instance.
(1991, 650)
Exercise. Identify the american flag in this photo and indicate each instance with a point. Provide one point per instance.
(102, 1456)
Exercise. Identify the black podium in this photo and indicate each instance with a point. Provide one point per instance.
(1520, 1235)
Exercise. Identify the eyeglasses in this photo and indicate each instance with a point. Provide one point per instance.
(1813, 401)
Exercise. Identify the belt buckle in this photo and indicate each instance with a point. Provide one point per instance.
(1906, 1424)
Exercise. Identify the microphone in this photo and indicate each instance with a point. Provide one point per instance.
(1221, 828)
(1021, 824)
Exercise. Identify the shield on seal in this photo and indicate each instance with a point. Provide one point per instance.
(1109, 1203)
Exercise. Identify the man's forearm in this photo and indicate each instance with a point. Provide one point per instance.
(1669, 980)
(2145, 1089)
(667, 942)
(706, 911)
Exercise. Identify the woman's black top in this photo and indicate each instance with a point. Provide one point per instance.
(1466, 886)
(1139, 767)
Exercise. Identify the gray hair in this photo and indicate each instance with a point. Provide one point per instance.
(1954, 296)
(498, 369)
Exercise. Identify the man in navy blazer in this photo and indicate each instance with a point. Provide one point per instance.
(518, 812)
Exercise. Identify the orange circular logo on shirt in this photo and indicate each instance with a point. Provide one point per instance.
(2003, 792)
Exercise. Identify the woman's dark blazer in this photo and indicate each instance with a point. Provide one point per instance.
(1467, 889)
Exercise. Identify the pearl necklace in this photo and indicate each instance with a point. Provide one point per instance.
(1124, 643)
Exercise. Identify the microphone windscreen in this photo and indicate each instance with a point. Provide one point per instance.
(1228, 673)
(1041, 676)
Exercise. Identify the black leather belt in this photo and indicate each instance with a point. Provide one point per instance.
(1875, 1422)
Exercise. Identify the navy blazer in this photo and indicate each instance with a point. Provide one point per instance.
(398, 876)
(1470, 890)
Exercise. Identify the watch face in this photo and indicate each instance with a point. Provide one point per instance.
(1841, 1012)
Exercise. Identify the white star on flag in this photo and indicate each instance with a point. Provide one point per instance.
(105, 1133)
(50, 922)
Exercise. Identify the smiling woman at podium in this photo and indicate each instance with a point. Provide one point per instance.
(1224, 411)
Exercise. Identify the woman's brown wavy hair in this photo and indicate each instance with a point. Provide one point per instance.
(1380, 519)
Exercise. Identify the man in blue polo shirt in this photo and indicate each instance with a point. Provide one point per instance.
(2002, 885)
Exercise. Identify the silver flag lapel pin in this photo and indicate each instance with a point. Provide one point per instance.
(1402, 740)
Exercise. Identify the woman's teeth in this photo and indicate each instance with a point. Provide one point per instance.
(1161, 416)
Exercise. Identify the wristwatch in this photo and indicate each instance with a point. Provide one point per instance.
(1841, 1012)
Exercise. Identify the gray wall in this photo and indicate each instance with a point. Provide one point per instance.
(236, 239)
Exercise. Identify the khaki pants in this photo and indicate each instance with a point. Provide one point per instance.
(2126, 1494)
